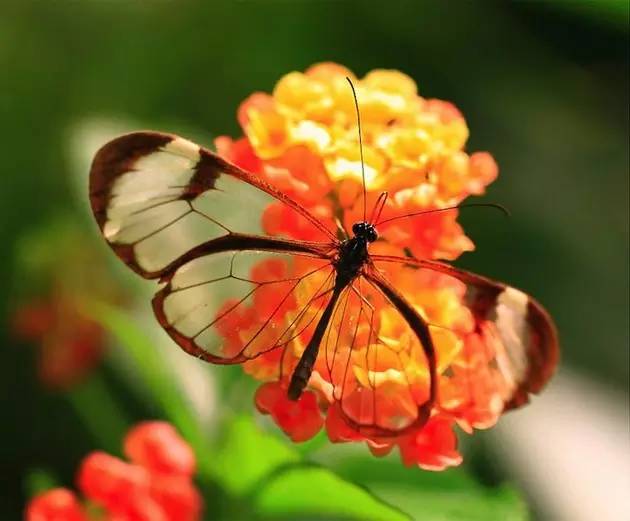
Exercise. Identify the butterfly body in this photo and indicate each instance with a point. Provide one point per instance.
(353, 253)
(352, 257)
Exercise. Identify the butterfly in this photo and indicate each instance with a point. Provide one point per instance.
(325, 309)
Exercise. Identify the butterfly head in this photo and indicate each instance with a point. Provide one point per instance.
(365, 230)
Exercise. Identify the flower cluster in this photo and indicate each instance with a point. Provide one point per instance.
(303, 139)
(155, 485)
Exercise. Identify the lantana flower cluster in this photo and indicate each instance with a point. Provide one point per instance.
(303, 139)
(155, 485)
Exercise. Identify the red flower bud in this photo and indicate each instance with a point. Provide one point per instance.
(58, 504)
(112, 482)
(177, 496)
(158, 447)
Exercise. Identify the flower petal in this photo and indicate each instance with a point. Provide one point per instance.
(58, 504)
(156, 446)
(299, 419)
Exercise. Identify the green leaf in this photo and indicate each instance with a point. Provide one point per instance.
(317, 492)
(39, 480)
(450, 495)
(99, 412)
(156, 376)
(473, 504)
(247, 455)
(369, 470)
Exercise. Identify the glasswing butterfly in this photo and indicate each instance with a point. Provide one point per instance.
(179, 213)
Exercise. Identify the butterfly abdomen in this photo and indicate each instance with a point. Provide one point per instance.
(304, 368)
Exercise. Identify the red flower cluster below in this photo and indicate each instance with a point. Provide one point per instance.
(155, 485)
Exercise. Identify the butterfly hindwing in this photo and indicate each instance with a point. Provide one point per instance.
(233, 306)
(509, 342)
(378, 356)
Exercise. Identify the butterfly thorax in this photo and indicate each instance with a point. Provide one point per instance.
(353, 252)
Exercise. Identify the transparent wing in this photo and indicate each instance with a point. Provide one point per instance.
(373, 364)
(161, 201)
(234, 306)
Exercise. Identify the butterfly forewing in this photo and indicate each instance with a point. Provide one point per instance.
(158, 198)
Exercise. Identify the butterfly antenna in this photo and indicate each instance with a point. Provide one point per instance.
(356, 106)
(496, 206)
(378, 207)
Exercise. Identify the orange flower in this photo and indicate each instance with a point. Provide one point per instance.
(300, 419)
(157, 485)
(433, 447)
(303, 139)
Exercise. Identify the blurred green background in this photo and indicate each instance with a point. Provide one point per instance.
(543, 86)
